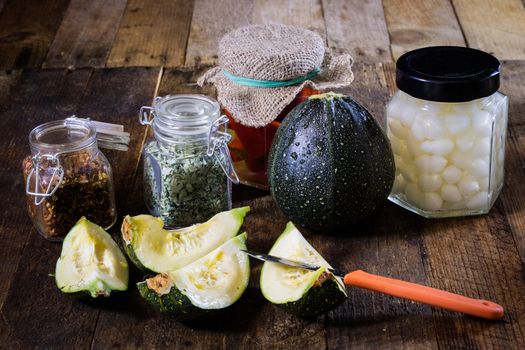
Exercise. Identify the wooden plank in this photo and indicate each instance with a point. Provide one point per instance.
(478, 257)
(210, 22)
(27, 28)
(37, 97)
(414, 24)
(152, 33)
(302, 13)
(370, 89)
(357, 27)
(49, 316)
(184, 81)
(388, 245)
(7, 80)
(497, 27)
(86, 34)
(513, 74)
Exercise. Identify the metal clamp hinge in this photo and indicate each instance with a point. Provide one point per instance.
(218, 140)
(58, 174)
(145, 115)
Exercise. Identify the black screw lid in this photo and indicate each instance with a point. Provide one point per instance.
(448, 73)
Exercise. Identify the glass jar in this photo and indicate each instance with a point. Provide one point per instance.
(250, 147)
(67, 177)
(187, 166)
(447, 127)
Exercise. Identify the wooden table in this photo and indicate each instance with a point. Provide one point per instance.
(105, 59)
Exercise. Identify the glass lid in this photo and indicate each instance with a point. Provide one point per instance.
(184, 115)
(62, 135)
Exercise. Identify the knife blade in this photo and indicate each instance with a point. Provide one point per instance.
(401, 289)
(292, 263)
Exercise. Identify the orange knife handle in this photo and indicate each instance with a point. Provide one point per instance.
(425, 295)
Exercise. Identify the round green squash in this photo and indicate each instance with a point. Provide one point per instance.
(330, 164)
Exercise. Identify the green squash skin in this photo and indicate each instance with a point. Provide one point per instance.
(330, 164)
(318, 300)
(174, 303)
(130, 252)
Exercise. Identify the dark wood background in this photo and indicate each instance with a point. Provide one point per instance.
(105, 59)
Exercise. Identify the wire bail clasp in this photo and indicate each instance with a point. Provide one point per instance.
(218, 139)
(146, 113)
(53, 182)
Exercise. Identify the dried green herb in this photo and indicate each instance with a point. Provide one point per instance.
(183, 185)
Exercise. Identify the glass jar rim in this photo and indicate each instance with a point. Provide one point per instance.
(181, 118)
(65, 135)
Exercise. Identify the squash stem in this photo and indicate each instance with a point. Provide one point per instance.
(327, 95)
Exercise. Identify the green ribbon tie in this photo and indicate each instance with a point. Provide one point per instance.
(270, 83)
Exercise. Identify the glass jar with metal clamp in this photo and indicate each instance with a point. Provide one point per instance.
(188, 168)
(67, 176)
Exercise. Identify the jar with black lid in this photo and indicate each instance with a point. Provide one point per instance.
(447, 126)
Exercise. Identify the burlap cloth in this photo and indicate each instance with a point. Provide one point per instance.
(272, 52)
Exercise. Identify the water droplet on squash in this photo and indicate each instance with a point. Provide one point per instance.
(294, 155)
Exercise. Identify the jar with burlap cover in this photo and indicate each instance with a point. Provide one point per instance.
(262, 68)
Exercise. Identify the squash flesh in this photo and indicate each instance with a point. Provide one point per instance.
(212, 282)
(286, 285)
(218, 279)
(161, 250)
(90, 261)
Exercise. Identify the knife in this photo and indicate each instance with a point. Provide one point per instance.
(401, 289)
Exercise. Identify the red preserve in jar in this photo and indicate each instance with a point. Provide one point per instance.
(250, 147)
(264, 72)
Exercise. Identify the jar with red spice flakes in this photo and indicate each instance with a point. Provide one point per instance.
(68, 177)
(264, 72)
